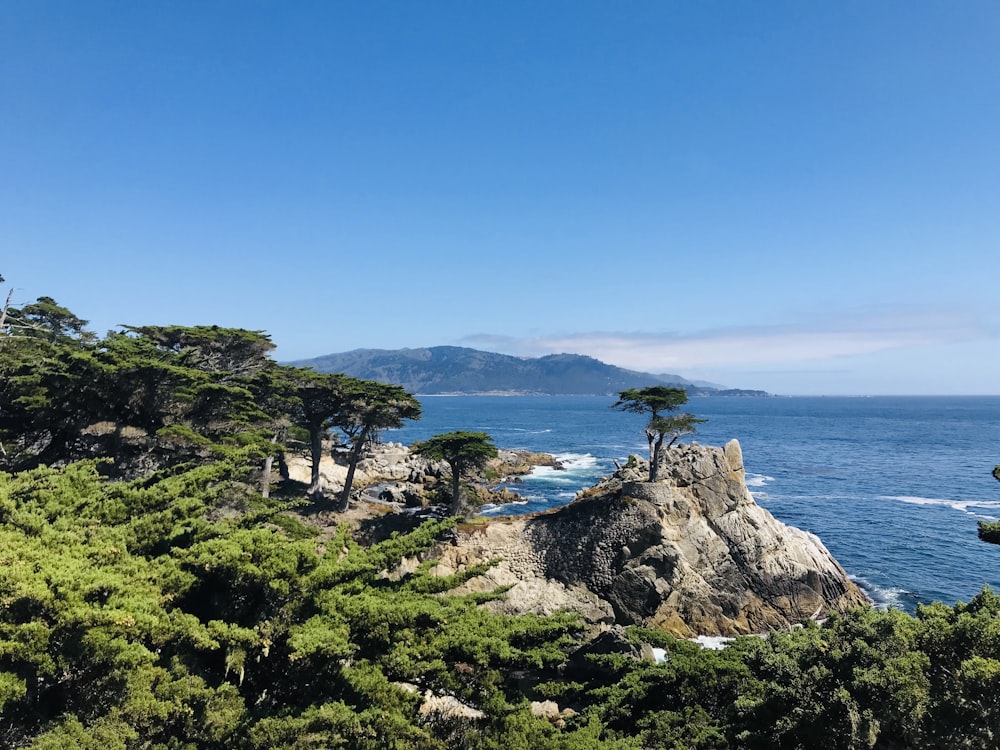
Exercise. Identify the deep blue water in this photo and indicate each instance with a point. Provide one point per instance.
(892, 485)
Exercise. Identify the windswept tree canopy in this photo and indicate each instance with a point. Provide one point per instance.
(153, 396)
(655, 400)
(213, 349)
(652, 400)
(369, 408)
(138, 395)
(318, 402)
(47, 319)
(463, 451)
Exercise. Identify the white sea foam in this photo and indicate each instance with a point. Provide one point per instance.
(758, 480)
(493, 509)
(576, 461)
(960, 505)
(555, 476)
(882, 597)
(713, 642)
(574, 467)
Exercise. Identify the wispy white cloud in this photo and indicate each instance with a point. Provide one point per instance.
(769, 347)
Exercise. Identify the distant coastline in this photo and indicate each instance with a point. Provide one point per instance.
(727, 393)
(460, 371)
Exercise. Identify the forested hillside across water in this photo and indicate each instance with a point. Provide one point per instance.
(456, 369)
(163, 586)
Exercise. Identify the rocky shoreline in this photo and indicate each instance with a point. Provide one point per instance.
(691, 554)
(391, 474)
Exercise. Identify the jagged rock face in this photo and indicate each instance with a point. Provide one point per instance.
(692, 554)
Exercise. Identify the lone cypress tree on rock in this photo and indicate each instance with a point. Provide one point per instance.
(653, 401)
(464, 451)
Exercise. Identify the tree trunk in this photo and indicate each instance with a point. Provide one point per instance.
(316, 448)
(654, 462)
(456, 492)
(265, 476)
(6, 306)
(650, 436)
(356, 449)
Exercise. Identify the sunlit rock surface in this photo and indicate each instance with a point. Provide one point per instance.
(691, 554)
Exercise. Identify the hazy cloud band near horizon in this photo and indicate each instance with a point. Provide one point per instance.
(748, 346)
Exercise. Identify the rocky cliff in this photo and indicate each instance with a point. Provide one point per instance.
(691, 554)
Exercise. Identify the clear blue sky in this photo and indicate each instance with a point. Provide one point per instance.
(799, 197)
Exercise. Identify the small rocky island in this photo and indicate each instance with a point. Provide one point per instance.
(691, 554)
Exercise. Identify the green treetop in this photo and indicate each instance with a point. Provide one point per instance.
(463, 451)
(235, 351)
(320, 400)
(653, 401)
(370, 407)
(132, 395)
(47, 319)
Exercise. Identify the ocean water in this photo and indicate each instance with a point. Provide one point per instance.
(892, 485)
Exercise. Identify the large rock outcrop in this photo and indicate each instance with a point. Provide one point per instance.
(691, 554)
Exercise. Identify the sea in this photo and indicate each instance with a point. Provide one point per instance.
(893, 486)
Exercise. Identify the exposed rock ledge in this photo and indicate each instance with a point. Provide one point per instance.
(691, 554)
(400, 476)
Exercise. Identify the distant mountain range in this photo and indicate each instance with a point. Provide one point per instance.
(459, 370)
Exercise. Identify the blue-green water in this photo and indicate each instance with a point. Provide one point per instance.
(893, 485)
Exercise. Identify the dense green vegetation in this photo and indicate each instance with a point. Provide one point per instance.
(152, 397)
(131, 618)
(152, 596)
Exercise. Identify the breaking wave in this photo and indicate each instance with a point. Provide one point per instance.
(965, 506)
(885, 597)
(576, 467)
(758, 480)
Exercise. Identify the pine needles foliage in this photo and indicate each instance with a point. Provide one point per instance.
(130, 619)
(132, 614)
